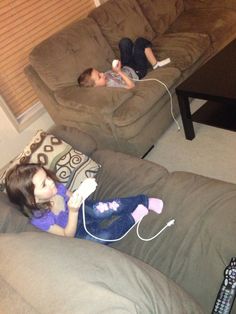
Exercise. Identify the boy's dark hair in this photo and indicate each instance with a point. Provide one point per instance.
(85, 80)
(20, 188)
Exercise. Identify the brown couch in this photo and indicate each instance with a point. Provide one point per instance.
(187, 31)
(179, 272)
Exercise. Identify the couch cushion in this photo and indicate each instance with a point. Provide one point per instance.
(184, 49)
(122, 18)
(71, 166)
(11, 219)
(146, 95)
(65, 275)
(62, 57)
(202, 241)
(123, 175)
(219, 24)
(161, 13)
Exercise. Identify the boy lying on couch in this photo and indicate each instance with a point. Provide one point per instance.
(135, 59)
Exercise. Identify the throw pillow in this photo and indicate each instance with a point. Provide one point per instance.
(71, 166)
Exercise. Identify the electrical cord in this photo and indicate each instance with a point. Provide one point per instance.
(171, 99)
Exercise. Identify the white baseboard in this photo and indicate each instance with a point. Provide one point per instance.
(25, 119)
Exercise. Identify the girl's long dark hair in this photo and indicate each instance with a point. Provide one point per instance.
(20, 188)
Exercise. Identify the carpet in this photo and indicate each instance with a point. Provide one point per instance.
(211, 153)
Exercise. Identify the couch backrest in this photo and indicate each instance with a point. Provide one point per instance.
(190, 4)
(161, 13)
(122, 18)
(63, 56)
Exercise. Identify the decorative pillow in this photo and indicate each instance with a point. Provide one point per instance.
(70, 165)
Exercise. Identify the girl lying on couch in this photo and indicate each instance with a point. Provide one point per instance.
(54, 209)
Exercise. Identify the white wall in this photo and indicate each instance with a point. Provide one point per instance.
(12, 142)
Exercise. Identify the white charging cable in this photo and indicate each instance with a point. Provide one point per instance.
(169, 223)
(171, 99)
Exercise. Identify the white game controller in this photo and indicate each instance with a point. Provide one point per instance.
(86, 188)
(115, 63)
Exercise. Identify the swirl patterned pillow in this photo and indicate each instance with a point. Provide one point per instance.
(70, 165)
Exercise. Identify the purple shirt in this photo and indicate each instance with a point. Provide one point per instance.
(48, 218)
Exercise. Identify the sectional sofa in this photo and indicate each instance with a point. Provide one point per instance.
(178, 272)
(131, 121)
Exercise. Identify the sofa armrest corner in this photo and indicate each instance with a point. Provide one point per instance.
(78, 139)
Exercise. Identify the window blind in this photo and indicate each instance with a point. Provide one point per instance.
(24, 24)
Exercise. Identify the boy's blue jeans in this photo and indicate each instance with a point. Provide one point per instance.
(120, 209)
(132, 54)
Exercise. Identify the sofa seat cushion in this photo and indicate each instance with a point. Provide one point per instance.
(146, 95)
(202, 241)
(161, 13)
(64, 275)
(122, 18)
(57, 59)
(184, 49)
(216, 23)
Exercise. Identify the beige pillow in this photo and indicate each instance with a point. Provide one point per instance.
(70, 165)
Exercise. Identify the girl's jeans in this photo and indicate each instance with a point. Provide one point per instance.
(118, 209)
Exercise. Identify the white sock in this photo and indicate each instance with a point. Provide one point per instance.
(161, 63)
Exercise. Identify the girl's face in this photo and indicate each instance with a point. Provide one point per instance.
(44, 187)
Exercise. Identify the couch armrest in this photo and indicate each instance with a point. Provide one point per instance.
(76, 138)
(228, 4)
(86, 104)
(44, 93)
(34, 264)
(123, 175)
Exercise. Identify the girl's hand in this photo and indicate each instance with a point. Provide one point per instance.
(87, 187)
(74, 203)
